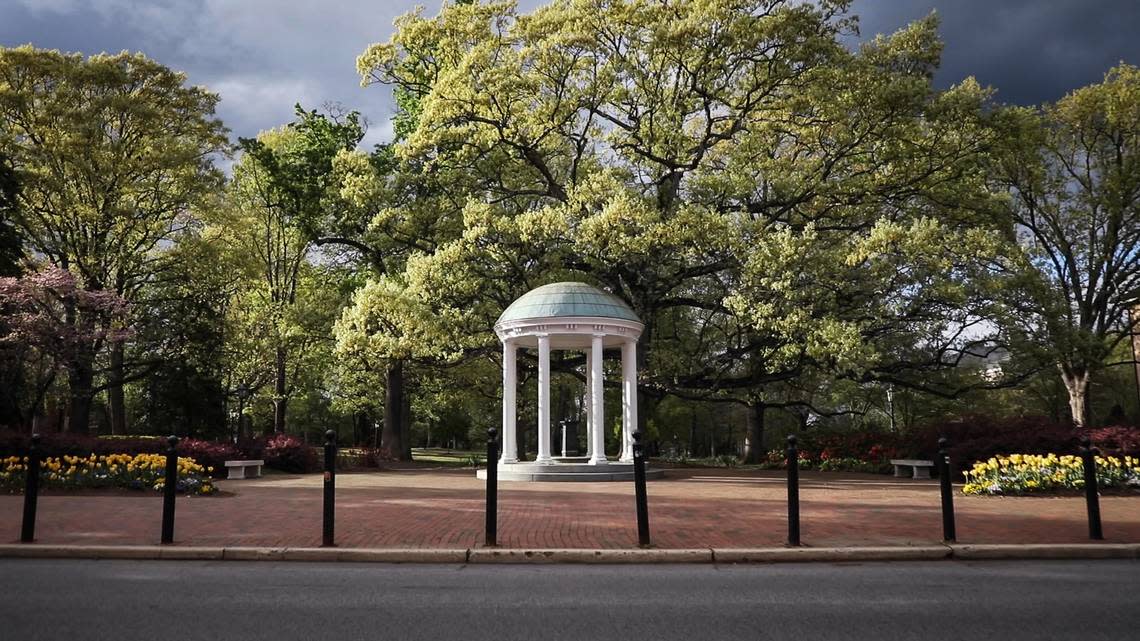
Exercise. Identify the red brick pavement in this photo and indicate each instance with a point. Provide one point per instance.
(688, 509)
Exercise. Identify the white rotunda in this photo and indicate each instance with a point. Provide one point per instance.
(574, 317)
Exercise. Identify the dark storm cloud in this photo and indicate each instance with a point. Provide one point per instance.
(263, 56)
(1031, 51)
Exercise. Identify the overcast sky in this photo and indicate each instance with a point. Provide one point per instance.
(262, 56)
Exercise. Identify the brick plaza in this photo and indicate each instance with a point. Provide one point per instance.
(690, 508)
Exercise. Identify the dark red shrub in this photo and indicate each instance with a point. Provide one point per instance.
(1116, 440)
(129, 445)
(209, 453)
(978, 437)
(63, 444)
(55, 444)
(252, 448)
(870, 446)
(290, 454)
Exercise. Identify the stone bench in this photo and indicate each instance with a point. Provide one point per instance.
(243, 469)
(921, 469)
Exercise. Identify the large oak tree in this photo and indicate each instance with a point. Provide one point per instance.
(767, 200)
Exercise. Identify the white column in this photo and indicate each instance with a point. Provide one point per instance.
(628, 398)
(543, 400)
(597, 404)
(510, 384)
(589, 406)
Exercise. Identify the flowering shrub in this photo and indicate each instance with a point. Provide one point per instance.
(290, 454)
(777, 460)
(1025, 473)
(1117, 440)
(868, 447)
(840, 452)
(209, 454)
(138, 472)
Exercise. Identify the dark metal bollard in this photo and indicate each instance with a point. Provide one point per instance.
(639, 491)
(944, 473)
(793, 492)
(1092, 499)
(492, 488)
(330, 490)
(170, 490)
(31, 491)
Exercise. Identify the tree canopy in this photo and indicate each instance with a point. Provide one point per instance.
(768, 201)
(814, 232)
(110, 151)
(1072, 171)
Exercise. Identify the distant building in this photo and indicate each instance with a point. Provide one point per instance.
(986, 359)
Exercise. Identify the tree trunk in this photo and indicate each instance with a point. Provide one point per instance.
(391, 443)
(406, 426)
(279, 400)
(80, 374)
(692, 433)
(80, 381)
(116, 402)
(1077, 385)
(754, 439)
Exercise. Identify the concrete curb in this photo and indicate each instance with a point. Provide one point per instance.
(964, 552)
(831, 555)
(1040, 551)
(501, 555)
(361, 555)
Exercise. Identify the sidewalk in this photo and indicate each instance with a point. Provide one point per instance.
(689, 509)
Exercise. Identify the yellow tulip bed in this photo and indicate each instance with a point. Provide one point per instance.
(1033, 473)
(138, 472)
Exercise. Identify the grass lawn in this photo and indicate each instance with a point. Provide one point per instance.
(441, 456)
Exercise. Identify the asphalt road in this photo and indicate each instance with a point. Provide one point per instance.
(183, 600)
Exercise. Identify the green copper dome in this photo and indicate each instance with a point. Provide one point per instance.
(567, 299)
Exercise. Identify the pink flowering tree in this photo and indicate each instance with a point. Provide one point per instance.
(50, 325)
